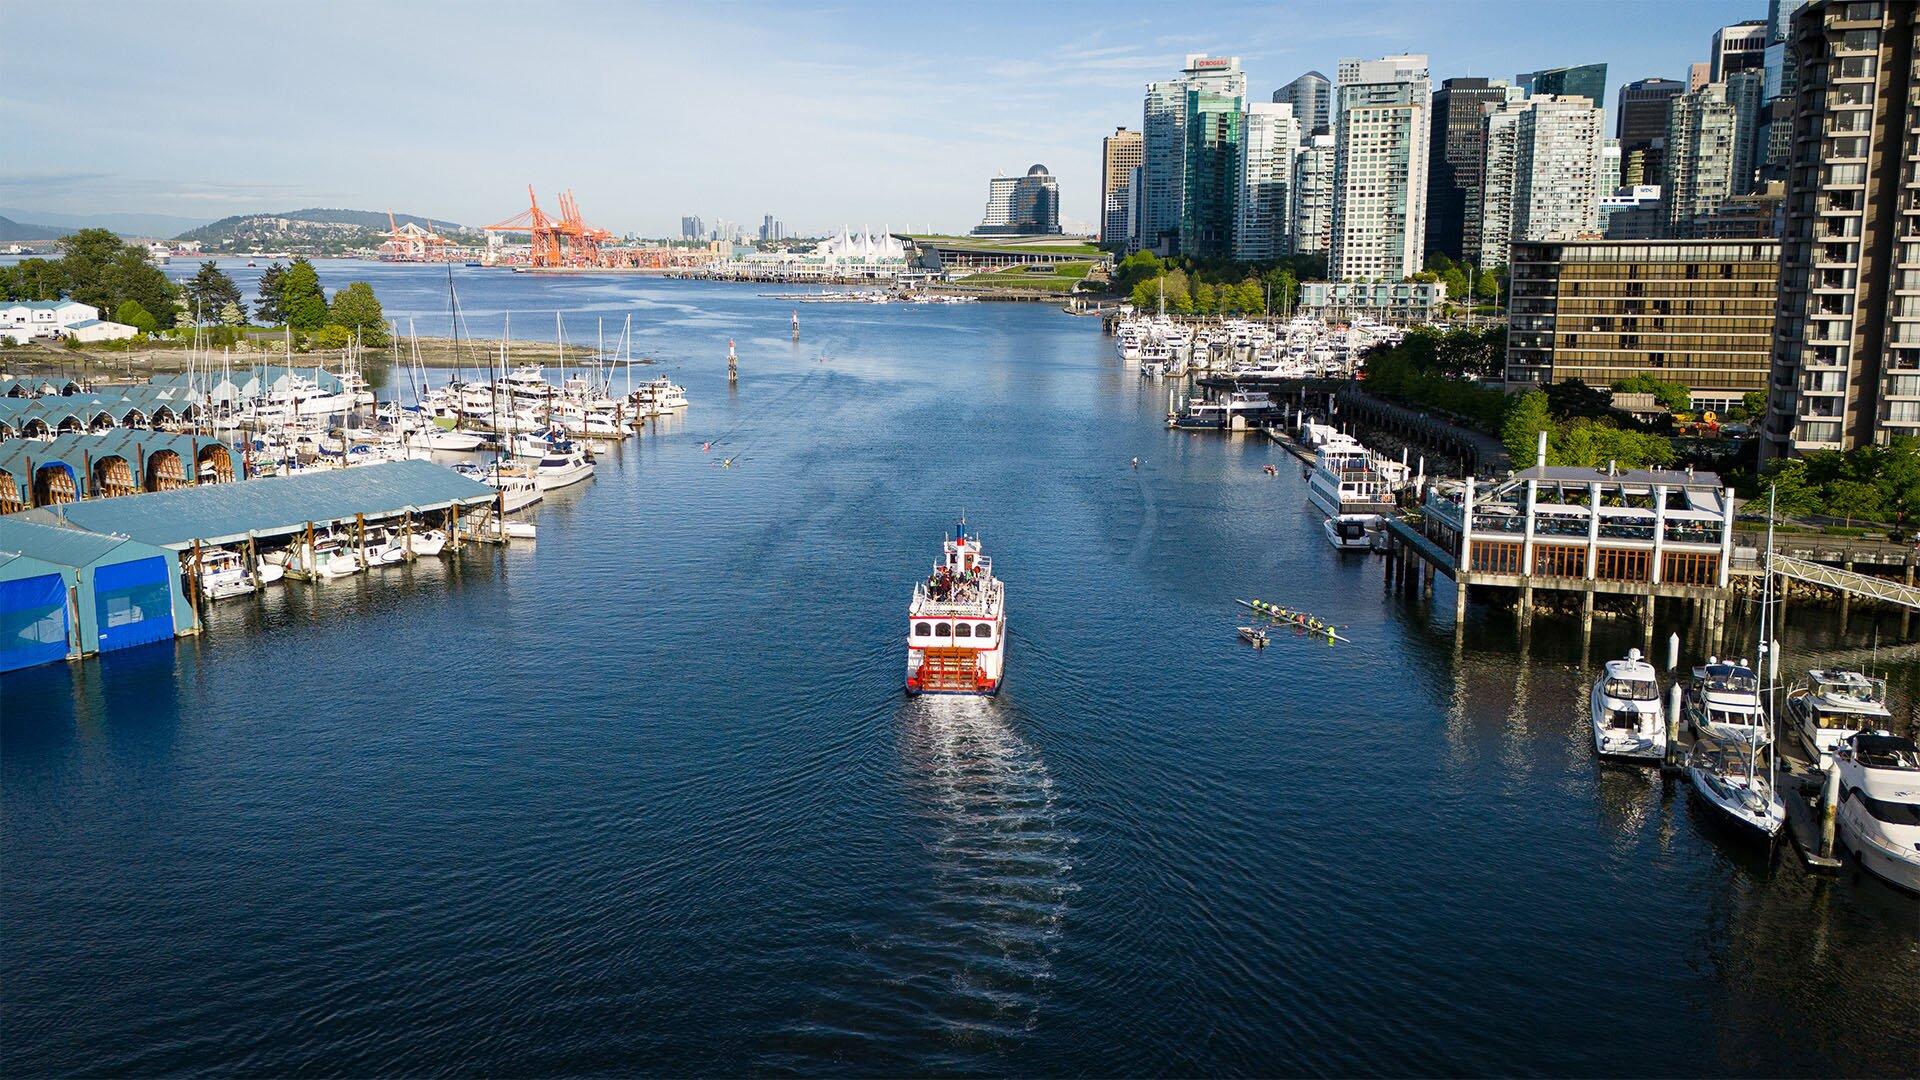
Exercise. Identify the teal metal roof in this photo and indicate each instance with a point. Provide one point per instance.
(82, 450)
(271, 505)
(14, 566)
(56, 545)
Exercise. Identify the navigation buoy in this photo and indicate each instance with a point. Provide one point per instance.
(733, 363)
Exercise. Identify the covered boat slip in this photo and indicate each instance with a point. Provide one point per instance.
(67, 593)
(277, 507)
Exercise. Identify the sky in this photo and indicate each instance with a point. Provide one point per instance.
(885, 114)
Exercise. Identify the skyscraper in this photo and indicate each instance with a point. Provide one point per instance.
(1120, 154)
(1380, 171)
(1310, 95)
(1709, 157)
(1263, 211)
(1542, 156)
(1775, 140)
(1207, 209)
(1164, 145)
(1846, 354)
(1586, 80)
(1022, 205)
(1457, 148)
(1313, 195)
(692, 228)
(1640, 123)
(1737, 48)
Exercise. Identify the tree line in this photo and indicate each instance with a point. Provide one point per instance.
(97, 268)
(1213, 286)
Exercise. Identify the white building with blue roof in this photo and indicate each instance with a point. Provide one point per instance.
(24, 320)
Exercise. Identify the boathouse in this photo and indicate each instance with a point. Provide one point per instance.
(109, 464)
(67, 593)
(276, 507)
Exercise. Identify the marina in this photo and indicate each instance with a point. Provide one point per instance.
(661, 758)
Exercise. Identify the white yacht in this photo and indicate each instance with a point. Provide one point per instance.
(1733, 777)
(329, 556)
(1628, 722)
(518, 485)
(561, 463)
(223, 573)
(1347, 485)
(1723, 703)
(1833, 706)
(1879, 817)
(1238, 411)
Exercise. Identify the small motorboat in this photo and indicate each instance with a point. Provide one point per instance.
(1254, 636)
(1833, 706)
(223, 573)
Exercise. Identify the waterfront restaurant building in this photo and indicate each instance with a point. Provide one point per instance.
(1698, 313)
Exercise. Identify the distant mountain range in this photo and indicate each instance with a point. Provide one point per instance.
(321, 230)
(126, 224)
(11, 230)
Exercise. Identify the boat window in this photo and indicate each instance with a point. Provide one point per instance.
(1632, 690)
(962, 630)
(922, 629)
(983, 631)
(1893, 813)
(943, 630)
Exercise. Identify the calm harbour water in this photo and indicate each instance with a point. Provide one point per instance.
(646, 796)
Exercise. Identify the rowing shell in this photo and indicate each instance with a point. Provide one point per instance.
(1294, 619)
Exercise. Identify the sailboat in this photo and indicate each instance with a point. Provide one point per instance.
(1734, 775)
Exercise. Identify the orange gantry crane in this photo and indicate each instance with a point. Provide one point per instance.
(564, 241)
(547, 249)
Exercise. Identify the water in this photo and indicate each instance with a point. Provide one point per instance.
(646, 796)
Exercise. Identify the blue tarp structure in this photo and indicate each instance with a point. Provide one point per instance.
(33, 621)
(134, 603)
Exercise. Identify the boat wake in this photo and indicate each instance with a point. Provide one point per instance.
(980, 956)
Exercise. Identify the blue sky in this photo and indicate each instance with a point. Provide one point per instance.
(885, 114)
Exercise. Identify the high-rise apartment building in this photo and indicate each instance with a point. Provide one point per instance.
(1709, 157)
(1775, 140)
(1022, 205)
(1164, 147)
(1208, 208)
(1543, 154)
(1693, 312)
(692, 228)
(1737, 48)
(1263, 210)
(1586, 80)
(771, 229)
(1311, 96)
(1457, 152)
(1120, 154)
(1846, 354)
(1640, 123)
(1313, 196)
(1380, 170)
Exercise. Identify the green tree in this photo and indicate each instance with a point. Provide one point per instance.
(134, 314)
(1672, 396)
(1136, 268)
(1455, 280)
(1204, 298)
(33, 279)
(103, 272)
(268, 308)
(356, 308)
(232, 314)
(209, 292)
(1487, 287)
(332, 336)
(1526, 417)
(301, 299)
(1855, 499)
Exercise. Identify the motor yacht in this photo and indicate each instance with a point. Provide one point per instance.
(1833, 706)
(223, 573)
(1723, 702)
(1879, 815)
(1628, 721)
